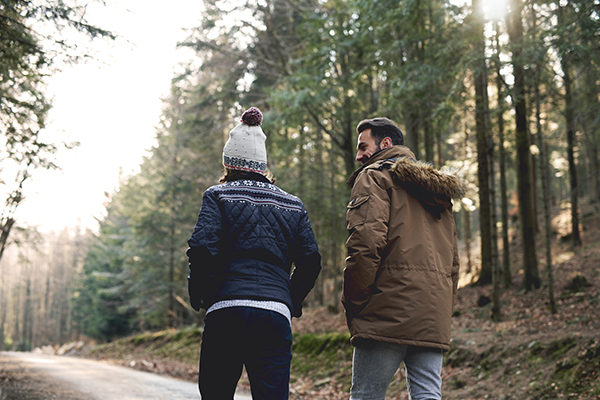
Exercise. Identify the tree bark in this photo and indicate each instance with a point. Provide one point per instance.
(506, 274)
(440, 155)
(27, 318)
(483, 173)
(317, 224)
(334, 270)
(427, 132)
(570, 122)
(3, 312)
(545, 176)
(496, 315)
(171, 287)
(467, 221)
(468, 239)
(544, 167)
(412, 132)
(515, 32)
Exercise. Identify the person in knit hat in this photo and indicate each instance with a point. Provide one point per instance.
(253, 258)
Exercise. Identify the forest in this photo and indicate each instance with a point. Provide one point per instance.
(509, 96)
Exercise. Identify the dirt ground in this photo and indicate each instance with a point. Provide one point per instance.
(17, 382)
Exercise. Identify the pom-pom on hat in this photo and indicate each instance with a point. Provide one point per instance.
(245, 150)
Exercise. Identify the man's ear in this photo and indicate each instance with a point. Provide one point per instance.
(386, 142)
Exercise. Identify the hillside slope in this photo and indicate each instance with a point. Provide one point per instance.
(530, 354)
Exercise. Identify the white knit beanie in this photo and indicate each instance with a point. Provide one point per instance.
(245, 150)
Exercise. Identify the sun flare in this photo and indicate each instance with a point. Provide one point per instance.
(494, 9)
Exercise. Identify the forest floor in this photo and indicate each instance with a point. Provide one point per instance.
(529, 354)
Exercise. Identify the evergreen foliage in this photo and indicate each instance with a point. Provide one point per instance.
(32, 47)
(316, 68)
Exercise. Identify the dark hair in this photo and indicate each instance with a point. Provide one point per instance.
(230, 175)
(382, 128)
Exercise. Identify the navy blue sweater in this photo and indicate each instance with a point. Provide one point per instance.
(248, 236)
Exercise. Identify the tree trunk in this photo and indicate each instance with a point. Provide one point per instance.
(570, 122)
(301, 162)
(335, 270)
(496, 315)
(6, 225)
(545, 176)
(412, 132)
(515, 32)
(595, 175)
(506, 274)
(534, 194)
(428, 138)
(14, 199)
(27, 318)
(483, 174)
(3, 312)
(544, 168)
(317, 224)
(16, 333)
(468, 239)
(467, 221)
(440, 154)
(496, 273)
(171, 288)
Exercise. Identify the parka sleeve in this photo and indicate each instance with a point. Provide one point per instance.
(367, 220)
(307, 265)
(203, 251)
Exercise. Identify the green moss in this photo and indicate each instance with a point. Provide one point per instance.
(322, 356)
(560, 347)
(579, 373)
(458, 356)
(456, 383)
(139, 340)
(592, 351)
(566, 375)
(313, 344)
(179, 335)
(536, 354)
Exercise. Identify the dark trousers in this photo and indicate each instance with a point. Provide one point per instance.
(259, 339)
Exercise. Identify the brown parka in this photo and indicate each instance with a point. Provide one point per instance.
(401, 272)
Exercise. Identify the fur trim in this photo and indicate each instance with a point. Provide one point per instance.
(447, 182)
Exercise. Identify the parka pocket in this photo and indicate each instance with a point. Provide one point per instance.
(356, 212)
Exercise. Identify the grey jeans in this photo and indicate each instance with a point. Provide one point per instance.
(375, 363)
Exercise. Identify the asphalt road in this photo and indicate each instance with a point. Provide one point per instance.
(28, 376)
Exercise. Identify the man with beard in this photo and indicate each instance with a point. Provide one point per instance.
(401, 272)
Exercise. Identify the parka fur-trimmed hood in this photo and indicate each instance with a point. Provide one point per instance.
(445, 183)
(432, 187)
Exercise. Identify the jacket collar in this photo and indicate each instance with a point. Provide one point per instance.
(255, 176)
(385, 154)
